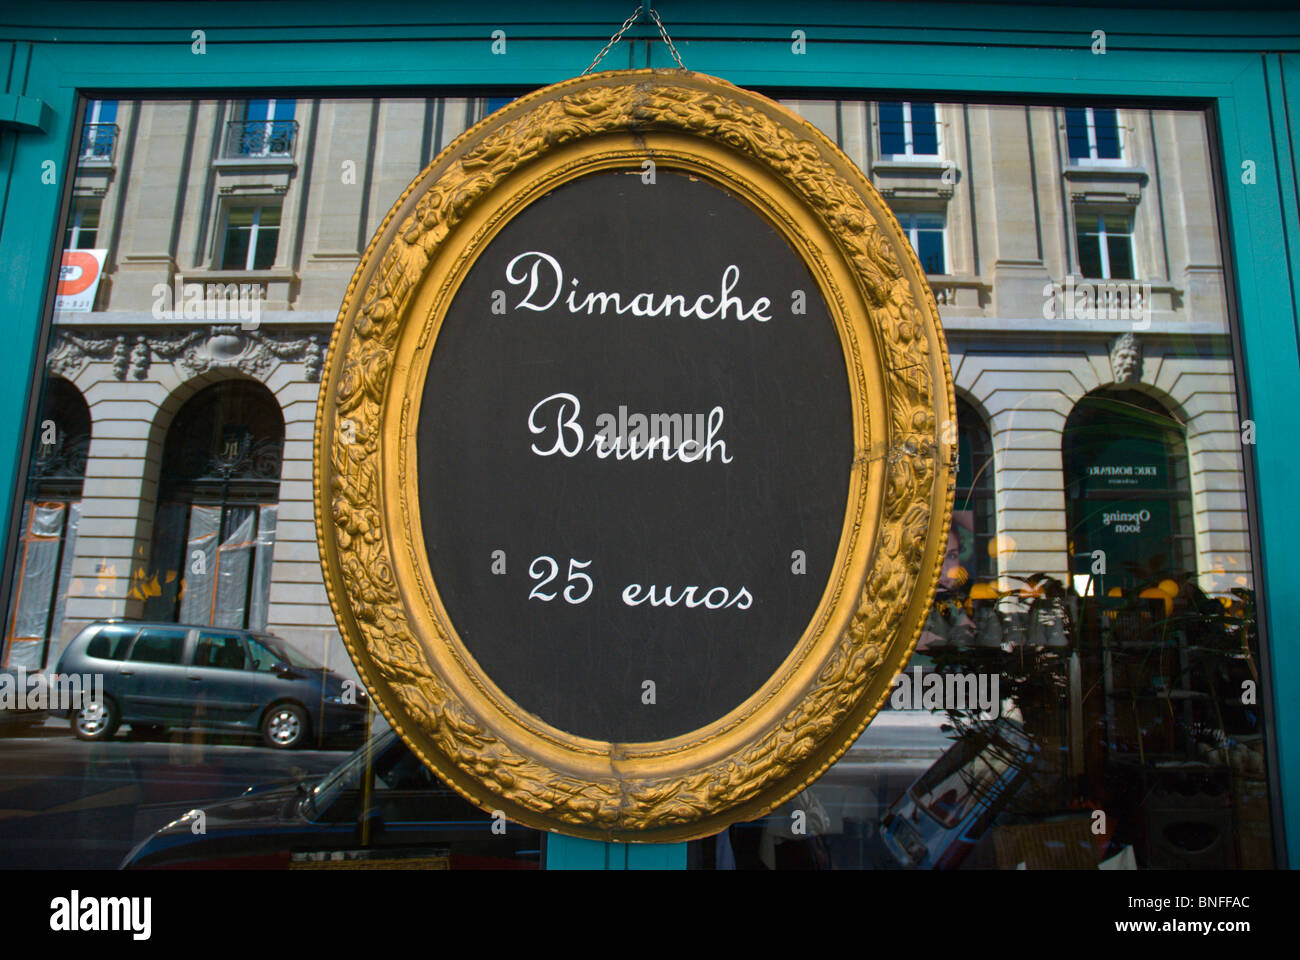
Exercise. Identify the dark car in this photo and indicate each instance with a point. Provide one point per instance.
(160, 675)
(382, 807)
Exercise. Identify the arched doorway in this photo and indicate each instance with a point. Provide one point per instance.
(50, 517)
(974, 516)
(963, 613)
(1126, 493)
(218, 496)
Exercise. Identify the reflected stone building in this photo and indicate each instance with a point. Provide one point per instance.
(1074, 254)
(1028, 207)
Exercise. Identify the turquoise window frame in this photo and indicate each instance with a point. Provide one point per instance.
(53, 52)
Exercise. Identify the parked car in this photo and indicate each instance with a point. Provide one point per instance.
(941, 817)
(382, 807)
(160, 675)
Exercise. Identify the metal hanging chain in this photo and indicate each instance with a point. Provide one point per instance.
(613, 40)
(636, 15)
(654, 14)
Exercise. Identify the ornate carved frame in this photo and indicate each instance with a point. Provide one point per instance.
(899, 492)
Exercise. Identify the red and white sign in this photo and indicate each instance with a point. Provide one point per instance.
(78, 280)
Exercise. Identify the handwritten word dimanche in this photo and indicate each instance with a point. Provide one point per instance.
(546, 285)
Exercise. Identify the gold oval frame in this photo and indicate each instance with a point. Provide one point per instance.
(900, 487)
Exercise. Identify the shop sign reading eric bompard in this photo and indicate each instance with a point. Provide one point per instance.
(634, 457)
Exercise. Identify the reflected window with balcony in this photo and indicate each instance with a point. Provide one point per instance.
(266, 129)
(99, 132)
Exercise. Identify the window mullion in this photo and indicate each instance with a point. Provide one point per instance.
(269, 130)
(250, 257)
(1103, 247)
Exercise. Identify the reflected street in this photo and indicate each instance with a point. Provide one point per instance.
(66, 803)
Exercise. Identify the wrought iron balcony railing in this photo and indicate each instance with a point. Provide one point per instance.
(260, 138)
(98, 141)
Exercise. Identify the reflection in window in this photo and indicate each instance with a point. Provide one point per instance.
(223, 651)
(1092, 134)
(974, 513)
(1153, 690)
(925, 231)
(51, 515)
(1118, 691)
(1105, 243)
(971, 776)
(158, 645)
(214, 532)
(262, 658)
(83, 226)
(267, 129)
(251, 236)
(964, 610)
(99, 134)
(908, 130)
(1127, 493)
(1119, 680)
(111, 642)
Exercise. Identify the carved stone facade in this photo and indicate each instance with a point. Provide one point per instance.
(217, 347)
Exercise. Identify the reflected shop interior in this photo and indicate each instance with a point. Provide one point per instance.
(1086, 690)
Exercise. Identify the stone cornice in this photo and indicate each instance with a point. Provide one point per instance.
(191, 349)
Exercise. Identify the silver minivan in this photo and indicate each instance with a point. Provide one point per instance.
(161, 675)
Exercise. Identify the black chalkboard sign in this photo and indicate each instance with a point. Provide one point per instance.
(634, 450)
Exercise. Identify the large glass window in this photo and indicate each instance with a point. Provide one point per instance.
(1094, 621)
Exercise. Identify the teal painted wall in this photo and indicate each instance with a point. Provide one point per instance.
(50, 52)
